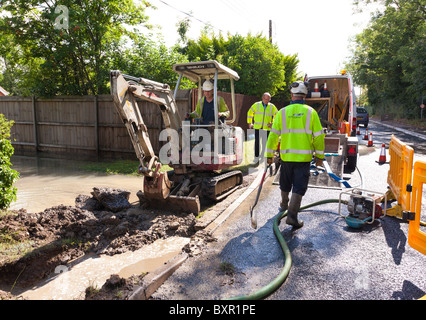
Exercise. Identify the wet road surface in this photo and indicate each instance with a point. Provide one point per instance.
(331, 261)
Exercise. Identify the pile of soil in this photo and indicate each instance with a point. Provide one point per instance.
(115, 288)
(63, 233)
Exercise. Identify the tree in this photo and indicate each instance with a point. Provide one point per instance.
(151, 60)
(260, 64)
(388, 57)
(183, 26)
(8, 176)
(18, 69)
(73, 41)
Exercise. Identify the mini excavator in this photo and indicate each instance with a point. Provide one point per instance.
(199, 154)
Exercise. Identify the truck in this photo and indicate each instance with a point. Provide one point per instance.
(200, 155)
(333, 97)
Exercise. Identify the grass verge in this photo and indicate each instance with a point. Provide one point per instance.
(130, 167)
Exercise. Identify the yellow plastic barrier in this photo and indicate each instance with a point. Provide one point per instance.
(399, 175)
(416, 237)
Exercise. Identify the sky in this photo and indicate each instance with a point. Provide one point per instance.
(319, 31)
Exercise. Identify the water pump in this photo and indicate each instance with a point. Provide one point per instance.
(364, 204)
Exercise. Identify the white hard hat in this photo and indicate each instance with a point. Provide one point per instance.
(299, 87)
(207, 85)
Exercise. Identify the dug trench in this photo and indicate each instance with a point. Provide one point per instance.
(104, 223)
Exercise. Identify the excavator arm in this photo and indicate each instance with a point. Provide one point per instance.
(125, 89)
(124, 94)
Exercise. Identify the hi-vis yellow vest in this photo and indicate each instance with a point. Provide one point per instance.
(261, 116)
(222, 107)
(301, 133)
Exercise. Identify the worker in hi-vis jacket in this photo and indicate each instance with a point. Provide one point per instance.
(298, 129)
(260, 117)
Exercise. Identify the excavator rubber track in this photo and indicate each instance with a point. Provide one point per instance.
(219, 187)
(215, 188)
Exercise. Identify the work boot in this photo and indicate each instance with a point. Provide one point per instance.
(293, 210)
(284, 201)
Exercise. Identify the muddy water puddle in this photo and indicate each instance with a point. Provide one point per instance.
(45, 183)
(70, 282)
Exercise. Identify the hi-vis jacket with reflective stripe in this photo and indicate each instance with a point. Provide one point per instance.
(301, 133)
(261, 116)
(222, 108)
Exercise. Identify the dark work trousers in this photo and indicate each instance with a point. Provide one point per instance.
(259, 145)
(294, 175)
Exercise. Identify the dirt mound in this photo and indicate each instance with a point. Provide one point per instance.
(113, 199)
(115, 288)
(61, 234)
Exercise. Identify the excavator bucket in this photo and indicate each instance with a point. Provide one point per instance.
(175, 203)
(158, 193)
(186, 204)
(157, 187)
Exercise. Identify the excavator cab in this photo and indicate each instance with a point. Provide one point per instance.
(198, 72)
(226, 145)
(197, 171)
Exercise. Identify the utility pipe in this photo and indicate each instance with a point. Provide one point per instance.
(278, 281)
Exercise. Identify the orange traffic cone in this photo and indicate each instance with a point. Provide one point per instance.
(370, 141)
(357, 130)
(382, 158)
(366, 134)
(316, 89)
(325, 93)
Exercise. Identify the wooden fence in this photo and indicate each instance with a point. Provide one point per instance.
(88, 127)
(83, 127)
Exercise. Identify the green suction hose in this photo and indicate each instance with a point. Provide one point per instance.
(277, 282)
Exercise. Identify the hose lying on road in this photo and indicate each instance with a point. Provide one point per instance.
(278, 281)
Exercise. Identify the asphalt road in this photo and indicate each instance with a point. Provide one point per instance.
(330, 261)
(414, 137)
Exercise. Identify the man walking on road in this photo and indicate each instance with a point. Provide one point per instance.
(302, 137)
(260, 117)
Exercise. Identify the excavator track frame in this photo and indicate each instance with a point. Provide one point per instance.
(219, 187)
(214, 188)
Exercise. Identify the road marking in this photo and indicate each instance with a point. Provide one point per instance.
(418, 135)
